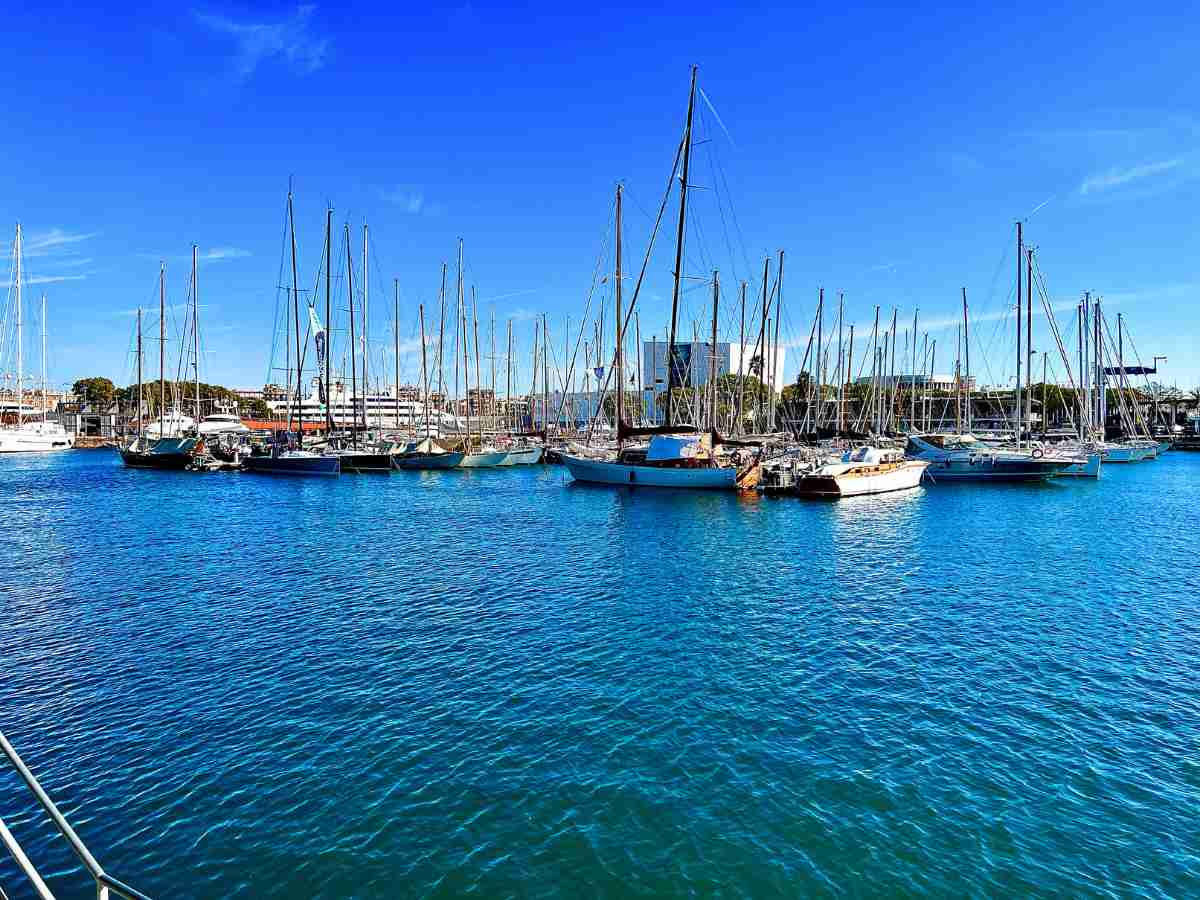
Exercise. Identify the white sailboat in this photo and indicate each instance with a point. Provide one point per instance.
(35, 436)
(676, 457)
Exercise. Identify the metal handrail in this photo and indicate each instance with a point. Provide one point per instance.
(105, 883)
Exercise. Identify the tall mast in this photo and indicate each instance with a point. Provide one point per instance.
(775, 345)
(545, 377)
(353, 341)
(817, 392)
(849, 356)
(296, 316)
(912, 384)
(641, 387)
(1045, 361)
(967, 358)
(841, 385)
(492, 341)
(1079, 391)
(533, 377)
(508, 379)
(738, 425)
(712, 372)
(195, 334)
(20, 333)
(139, 355)
(43, 358)
(462, 314)
(441, 336)
(396, 351)
(679, 235)
(762, 336)
(1020, 403)
(366, 346)
(478, 379)
(1029, 344)
(620, 318)
(958, 393)
(328, 320)
(424, 369)
(162, 339)
(890, 392)
(1101, 383)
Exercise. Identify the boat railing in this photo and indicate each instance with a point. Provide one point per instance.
(107, 887)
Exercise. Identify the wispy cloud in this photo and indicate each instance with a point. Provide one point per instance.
(522, 293)
(216, 254)
(53, 279)
(412, 201)
(153, 309)
(256, 42)
(47, 242)
(1115, 178)
(524, 313)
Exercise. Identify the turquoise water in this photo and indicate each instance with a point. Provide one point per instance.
(494, 683)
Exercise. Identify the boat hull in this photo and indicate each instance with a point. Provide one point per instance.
(413, 461)
(595, 471)
(1127, 453)
(486, 460)
(988, 469)
(293, 465)
(163, 453)
(903, 478)
(1088, 469)
(529, 456)
(34, 440)
(366, 463)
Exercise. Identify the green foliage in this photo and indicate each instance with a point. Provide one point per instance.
(254, 409)
(96, 392)
(633, 406)
(210, 394)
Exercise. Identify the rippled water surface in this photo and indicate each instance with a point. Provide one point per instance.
(495, 683)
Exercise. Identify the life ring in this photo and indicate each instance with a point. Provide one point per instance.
(1038, 453)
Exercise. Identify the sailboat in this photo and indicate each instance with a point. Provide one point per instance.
(676, 457)
(34, 436)
(162, 450)
(962, 456)
(521, 449)
(286, 455)
(425, 453)
(365, 460)
(485, 457)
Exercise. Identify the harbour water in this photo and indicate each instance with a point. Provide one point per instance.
(497, 683)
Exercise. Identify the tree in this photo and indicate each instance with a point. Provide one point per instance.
(254, 409)
(96, 392)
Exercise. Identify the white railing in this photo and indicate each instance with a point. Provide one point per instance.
(107, 887)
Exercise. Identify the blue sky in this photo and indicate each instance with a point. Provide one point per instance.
(887, 151)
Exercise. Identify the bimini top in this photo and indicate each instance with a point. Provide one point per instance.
(869, 456)
(665, 447)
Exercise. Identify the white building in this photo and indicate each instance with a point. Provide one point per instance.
(926, 382)
(694, 364)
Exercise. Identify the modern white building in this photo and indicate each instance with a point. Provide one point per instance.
(694, 364)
